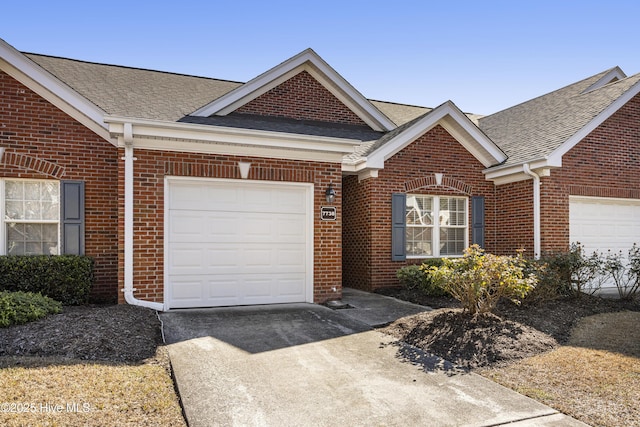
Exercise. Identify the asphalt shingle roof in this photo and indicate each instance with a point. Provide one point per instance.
(134, 92)
(534, 129)
(528, 131)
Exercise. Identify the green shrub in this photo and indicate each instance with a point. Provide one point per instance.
(553, 282)
(479, 280)
(22, 307)
(418, 277)
(65, 278)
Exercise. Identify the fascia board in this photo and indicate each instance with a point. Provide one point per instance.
(473, 138)
(306, 60)
(513, 173)
(52, 89)
(172, 133)
(556, 155)
(615, 73)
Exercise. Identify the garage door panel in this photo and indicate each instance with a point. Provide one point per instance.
(237, 243)
(604, 224)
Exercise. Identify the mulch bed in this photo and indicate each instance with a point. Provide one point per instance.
(513, 333)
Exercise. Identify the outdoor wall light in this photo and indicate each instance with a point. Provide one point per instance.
(330, 194)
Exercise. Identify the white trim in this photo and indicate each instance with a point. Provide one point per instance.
(188, 137)
(456, 123)
(615, 73)
(310, 226)
(619, 200)
(306, 60)
(36, 78)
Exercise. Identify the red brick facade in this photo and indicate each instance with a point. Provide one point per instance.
(302, 98)
(150, 169)
(367, 260)
(42, 142)
(606, 163)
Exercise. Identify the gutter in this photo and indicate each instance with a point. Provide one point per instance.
(128, 224)
(536, 209)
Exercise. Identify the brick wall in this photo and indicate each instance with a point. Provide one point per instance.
(42, 142)
(367, 237)
(606, 163)
(151, 167)
(513, 218)
(301, 98)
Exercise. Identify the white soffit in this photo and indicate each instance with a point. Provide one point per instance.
(188, 137)
(308, 61)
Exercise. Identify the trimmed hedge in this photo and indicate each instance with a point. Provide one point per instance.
(22, 307)
(65, 278)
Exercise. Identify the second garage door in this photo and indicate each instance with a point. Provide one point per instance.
(604, 224)
(232, 242)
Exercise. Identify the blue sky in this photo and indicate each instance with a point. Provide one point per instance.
(484, 56)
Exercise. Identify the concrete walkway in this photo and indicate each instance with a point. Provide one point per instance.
(308, 365)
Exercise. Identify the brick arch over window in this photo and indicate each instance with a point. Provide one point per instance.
(34, 164)
(430, 182)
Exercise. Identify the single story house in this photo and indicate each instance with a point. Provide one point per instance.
(197, 192)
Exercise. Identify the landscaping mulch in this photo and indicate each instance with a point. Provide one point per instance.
(88, 366)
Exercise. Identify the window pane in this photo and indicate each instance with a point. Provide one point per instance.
(13, 190)
(419, 210)
(452, 241)
(453, 211)
(419, 241)
(15, 248)
(31, 190)
(14, 210)
(33, 232)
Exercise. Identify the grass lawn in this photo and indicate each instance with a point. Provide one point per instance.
(594, 378)
(60, 392)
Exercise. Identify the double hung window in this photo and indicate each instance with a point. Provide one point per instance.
(30, 212)
(436, 226)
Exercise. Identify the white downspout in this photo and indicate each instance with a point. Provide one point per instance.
(128, 224)
(536, 210)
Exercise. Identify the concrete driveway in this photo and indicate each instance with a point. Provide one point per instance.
(308, 365)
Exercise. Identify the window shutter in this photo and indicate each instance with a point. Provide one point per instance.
(72, 217)
(477, 220)
(398, 227)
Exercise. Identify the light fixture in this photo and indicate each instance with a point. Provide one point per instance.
(330, 194)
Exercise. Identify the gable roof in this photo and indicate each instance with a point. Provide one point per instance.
(309, 61)
(372, 155)
(544, 128)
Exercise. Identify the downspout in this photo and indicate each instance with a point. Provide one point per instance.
(536, 210)
(128, 224)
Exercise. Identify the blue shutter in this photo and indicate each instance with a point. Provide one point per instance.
(72, 217)
(398, 227)
(477, 220)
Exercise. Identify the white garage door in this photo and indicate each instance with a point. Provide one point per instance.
(232, 242)
(604, 223)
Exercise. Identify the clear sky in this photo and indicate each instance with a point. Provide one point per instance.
(484, 56)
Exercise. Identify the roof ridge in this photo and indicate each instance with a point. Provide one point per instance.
(600, 74)
(29, 54)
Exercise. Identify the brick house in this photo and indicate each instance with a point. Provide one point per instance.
(191, 191)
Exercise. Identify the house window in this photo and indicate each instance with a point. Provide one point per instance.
(436, 226)
(30, 217)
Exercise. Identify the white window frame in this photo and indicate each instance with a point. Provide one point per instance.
(435, 227)
(3, 219)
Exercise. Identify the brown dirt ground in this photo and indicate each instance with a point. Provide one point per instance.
(513, 333)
